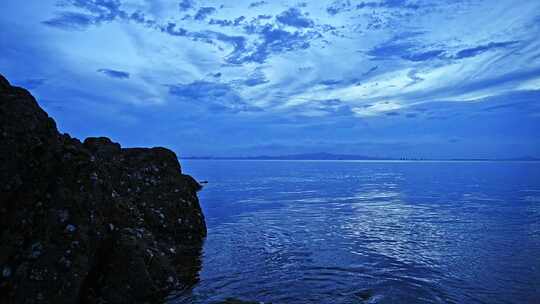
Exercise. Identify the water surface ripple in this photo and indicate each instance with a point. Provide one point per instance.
(369, 232)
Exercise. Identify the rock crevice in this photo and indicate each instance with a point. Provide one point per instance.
(90, 222)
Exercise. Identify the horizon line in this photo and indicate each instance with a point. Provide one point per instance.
(352, 157)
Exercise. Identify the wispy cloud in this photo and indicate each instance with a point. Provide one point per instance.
(216, 97)
(114, 73)
(471, 52)
(71, 21)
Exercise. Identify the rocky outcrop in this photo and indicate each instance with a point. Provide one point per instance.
(90, 222)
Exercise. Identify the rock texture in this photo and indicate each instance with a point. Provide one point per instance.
(90, 222)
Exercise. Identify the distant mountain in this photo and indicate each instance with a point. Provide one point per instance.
(331, 156)
(306, 156)
(319, 156)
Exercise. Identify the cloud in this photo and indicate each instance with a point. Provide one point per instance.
(334, 107)
(100, 7)
(256, 79)
(97, 12)
(331, 82)
(401, 4)
(338, 6)
(263, 17)
(353, 63)
(186, 5)
(370, 71)
(402, 47)
(225, 22)
(475, 51)
(200, 90)
(376, 109)
(414, 77)
(480, 89)
(172, 30)
(424, 56)
(221, 22)
(275, 40)
(237, 42)
(257, 4)
(217, 97)
(270, 39)
(294, 17)
(71, 21)
(390, 49)
(524, 101)
(114, 73)
(204, 12)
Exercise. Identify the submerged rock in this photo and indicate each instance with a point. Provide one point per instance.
(90, 222)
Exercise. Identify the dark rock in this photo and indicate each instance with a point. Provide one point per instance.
(90, 222)
(237, 301)
(365, 294)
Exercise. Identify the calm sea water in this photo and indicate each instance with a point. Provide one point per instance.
(369, 232)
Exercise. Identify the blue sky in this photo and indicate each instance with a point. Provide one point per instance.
(381, 78)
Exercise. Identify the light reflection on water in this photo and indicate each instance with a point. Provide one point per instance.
(354, 232)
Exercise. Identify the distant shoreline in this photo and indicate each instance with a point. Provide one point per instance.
(364, 160)
(354, 157)
(324, 156)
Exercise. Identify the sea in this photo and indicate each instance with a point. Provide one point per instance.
(368, 232)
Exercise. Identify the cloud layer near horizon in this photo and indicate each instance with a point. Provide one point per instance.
(386, 78)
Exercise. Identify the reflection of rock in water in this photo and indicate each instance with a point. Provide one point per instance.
(89, 222)
(188, 264)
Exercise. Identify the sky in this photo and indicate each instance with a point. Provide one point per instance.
(386, 78)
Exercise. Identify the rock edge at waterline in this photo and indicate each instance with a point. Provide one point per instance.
(90, 222)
